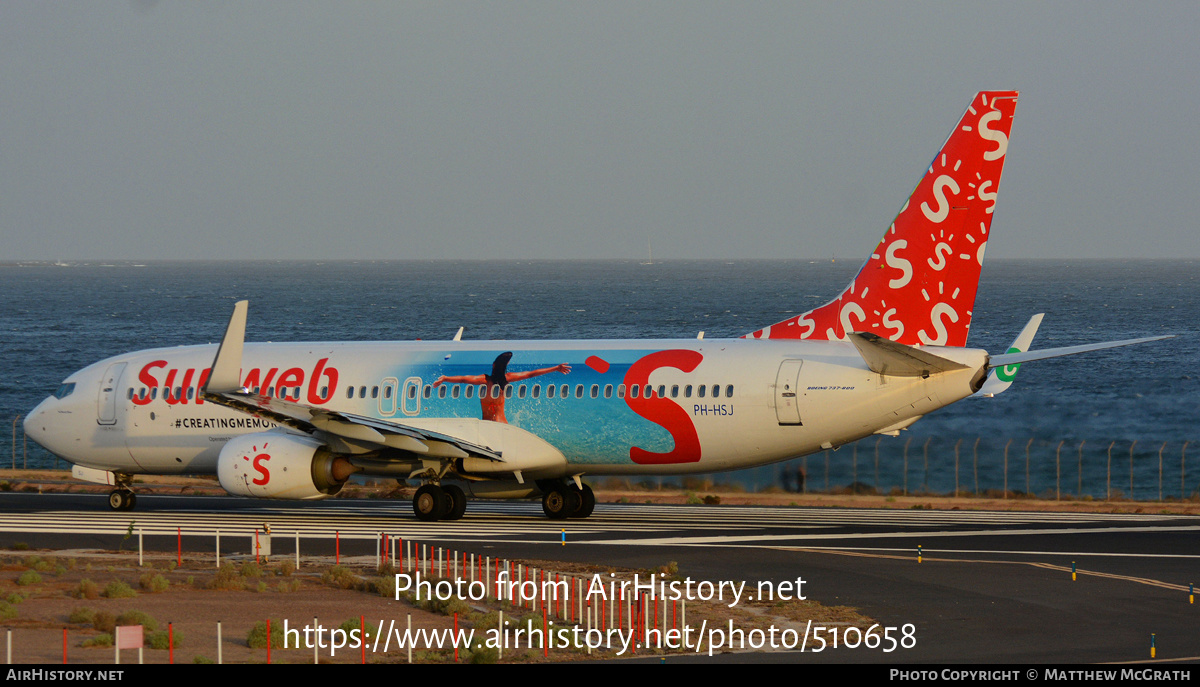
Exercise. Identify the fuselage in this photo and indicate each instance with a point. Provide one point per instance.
(609, 406)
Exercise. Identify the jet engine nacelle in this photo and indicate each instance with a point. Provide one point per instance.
(276, 465)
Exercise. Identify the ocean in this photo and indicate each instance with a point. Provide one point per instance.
(1069, 424)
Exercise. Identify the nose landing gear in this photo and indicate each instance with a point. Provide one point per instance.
(122, 499)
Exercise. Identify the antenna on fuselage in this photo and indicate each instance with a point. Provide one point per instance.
(458, 336)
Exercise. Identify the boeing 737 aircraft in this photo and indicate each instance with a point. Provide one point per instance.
(519, 419)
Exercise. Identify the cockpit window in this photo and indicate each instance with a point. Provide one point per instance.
(65, 390)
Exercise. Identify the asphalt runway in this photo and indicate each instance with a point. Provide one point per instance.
(991, 587)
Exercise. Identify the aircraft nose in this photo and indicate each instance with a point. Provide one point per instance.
(37, 425)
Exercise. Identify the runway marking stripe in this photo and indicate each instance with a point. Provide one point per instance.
(733, 539)
(1047, 566)
(612, 524)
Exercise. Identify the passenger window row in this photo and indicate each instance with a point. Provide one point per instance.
(286, 393)
(552, 391)
(470, 390)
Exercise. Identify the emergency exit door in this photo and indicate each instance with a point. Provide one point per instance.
(787, 397)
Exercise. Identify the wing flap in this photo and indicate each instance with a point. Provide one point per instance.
(353, 427)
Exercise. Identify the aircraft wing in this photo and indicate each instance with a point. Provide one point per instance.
(349, 431)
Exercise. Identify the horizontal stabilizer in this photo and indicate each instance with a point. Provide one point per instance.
(890, 358)
(1017, 358)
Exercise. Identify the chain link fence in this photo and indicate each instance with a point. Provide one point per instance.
(1089, 469)
(1011, 467)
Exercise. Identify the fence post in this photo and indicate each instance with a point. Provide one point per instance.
(1058, 471)
(1027, 465)
(956, 445)
(1079, 489)
(1108, 480)
(826, 471)
(1131, 467)
(1006, 445)
(906, 443)
(976, 452)
(1160, 452)
(1183, 471)
(926, 481)
(854, 469)
(877, 464)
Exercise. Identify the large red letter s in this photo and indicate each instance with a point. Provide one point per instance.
(262, 469)
(662, 411)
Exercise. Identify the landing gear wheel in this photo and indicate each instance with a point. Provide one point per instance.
(458, 502)
(587, 502)
(560, 502)
(429, 503)
(121, 499)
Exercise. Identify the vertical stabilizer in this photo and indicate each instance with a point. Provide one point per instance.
(918, 287)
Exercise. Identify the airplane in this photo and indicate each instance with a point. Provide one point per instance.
(522, 419)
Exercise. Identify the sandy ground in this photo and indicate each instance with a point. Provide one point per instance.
(37, 632)
(194, 608)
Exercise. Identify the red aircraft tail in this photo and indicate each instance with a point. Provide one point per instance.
(918, 287)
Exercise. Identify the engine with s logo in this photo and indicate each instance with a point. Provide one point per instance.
(281, 465)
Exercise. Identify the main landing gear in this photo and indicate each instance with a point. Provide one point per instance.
(122, 498)
(561, 501)
(434, 502)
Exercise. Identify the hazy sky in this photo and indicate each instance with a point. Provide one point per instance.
(181, 130)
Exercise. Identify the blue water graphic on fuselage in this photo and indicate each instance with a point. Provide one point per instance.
(586, 415)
